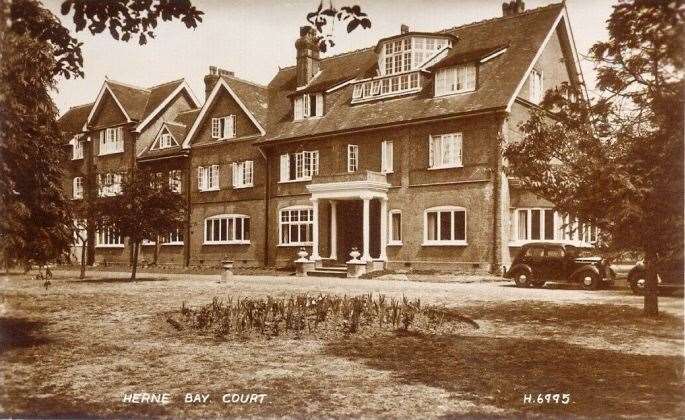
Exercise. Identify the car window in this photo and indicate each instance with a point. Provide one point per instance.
(555, 253)
(535, 252)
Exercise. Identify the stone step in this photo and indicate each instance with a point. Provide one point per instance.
(333, 268)
(328, 273)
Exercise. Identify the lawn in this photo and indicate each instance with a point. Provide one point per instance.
(75, 349)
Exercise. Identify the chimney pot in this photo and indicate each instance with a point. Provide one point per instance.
(213, 76)
(404, 28)
(505, 9)
(307, 47)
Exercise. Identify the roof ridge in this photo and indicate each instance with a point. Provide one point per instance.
(483, 21)
(188, 111)
(166, 83)
(249, 82)
(175, 123)
(127, 85)
(81, 106)
(478, 22)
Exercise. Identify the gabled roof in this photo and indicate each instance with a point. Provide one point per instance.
(72, 121)
(499, 79)
(140, 104)
(178, 129)
(250, 97)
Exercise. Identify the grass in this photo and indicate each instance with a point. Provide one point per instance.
(75, 349)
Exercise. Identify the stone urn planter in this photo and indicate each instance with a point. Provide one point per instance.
(355, 266)
(303, 264)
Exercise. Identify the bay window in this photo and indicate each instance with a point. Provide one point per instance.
(444, 226)
(445, 151)
(545, 224)
(295, 226)
(299, 166)
(227, 229)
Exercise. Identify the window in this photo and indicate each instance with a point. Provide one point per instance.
(572, 229)
(309, 105)
(243, 174)
(535, 224)
(208, 178)
(535, 252)
(77, 151)
(165, 141)
(299, 166)
(224, 127)
(78, 188)
(111, 140)
(445, 151)
(174, 238)
(444, 226)
(176, 180)
(108, 238)
(109, 184)
(227, 229)
(352, 158)
(455, 80)
(80, 232)
(536, 86)
(296, 225)
(556, 252)
(387, 157)
(395, 227)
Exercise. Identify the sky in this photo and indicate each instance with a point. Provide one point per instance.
(254, 37)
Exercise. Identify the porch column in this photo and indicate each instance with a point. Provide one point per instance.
(365, 228)
(384, 228)
(334, 230)
(315, 230)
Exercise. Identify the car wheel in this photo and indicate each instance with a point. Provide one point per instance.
(637, 284)
(589, 280)
(522, 278)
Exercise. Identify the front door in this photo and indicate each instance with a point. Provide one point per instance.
(350, 219)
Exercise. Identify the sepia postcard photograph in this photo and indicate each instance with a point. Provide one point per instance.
(342, 209)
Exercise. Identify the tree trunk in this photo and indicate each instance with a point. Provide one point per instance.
(136, 245)
(82, 275)
(651, 307)
(156, 255)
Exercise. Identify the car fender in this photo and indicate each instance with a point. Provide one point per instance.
(584, 269)
(524, 267)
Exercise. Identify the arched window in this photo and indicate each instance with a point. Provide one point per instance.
(295, 226)
(445, 225)
(227, 229)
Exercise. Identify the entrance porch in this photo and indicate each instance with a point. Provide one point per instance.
(358, 216)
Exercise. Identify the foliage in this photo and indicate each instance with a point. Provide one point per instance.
(145, 209)
(617, 162)
(321, 315)
(322, 18)
(35, 221)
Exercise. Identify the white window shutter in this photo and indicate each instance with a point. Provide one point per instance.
(431, 151)
(315, 162)
(306, 99)
(298, 112)
(200, 178)
(120, 138)
(319, 105)
(285, 167)
(458, 140)
(249, 172)
(215, 176)
(235, 175)
(232, 125)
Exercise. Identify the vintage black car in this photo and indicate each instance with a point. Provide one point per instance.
(539, 262)
(670, 277)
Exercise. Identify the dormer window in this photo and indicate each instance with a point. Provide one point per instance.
(166, 141)
(403, 55)
(456, 79)
(224, 127)
(308, 105)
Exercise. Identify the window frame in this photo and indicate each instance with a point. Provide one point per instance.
(207, 175)
(536, 92)
(78, 148)
(228, 216)
(352, 158)
(447, 79)
(176, 180)
(106, 233)
(116, 140)
(441, 242)
(77, 186)
(290, 222)
(391, 241)
(458, 154)
(387, 157)
(240, 172)
(301, 157)
(219, 129)
(302, 106)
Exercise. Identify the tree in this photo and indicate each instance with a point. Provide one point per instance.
(322, 19)
(146, 209)
(617, 162)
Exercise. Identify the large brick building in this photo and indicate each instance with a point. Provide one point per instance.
(393, 149)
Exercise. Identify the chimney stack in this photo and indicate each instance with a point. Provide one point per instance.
(213, 76)
(307, 55)
(404, 28)
(513, 7)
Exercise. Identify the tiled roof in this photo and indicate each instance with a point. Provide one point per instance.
(498, 79)
(72, 121)
(140, 102)
(253, 96)
(178, 129)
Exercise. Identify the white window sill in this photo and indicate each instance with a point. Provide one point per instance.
(437, 168)
(110, 153)
(444, 243)
(289, 181)
(387, 172)
(395, 243)
(109, 246)
(296, 244)
(223, 138)
(77, 198)
(316, 117)
(209, 190)
(458, 92)
(172, 244)
(239, 187)
(241, 242)
(77, 158)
